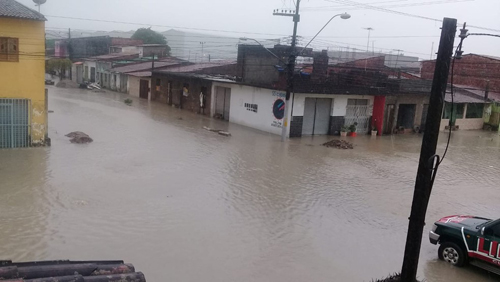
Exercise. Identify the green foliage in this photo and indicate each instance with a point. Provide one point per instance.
(344, 128)
(149, 36)
(58, 65)
(128, 102)
(353, 127)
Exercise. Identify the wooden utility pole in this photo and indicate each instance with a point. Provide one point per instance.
(423, 184)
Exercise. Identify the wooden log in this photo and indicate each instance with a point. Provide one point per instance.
(42, 271)
(73, 278)
(113, 269)
(8, 272)
(130, 277)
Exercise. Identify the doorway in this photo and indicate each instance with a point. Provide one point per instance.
(222, 102)
(358, 111)
(92, 74)
(424, 117)
(406, 116)
(144, 89)
(389, 118)
(316, 116)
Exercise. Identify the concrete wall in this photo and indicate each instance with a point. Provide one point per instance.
(175, 96)
(339, 105)
(264, 118)
(134, 85)
(464, 123)
(26, 78)
(418, 100)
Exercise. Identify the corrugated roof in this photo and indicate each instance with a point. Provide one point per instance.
(197, 67)
(13, 9)
(464, 94)
(78, 271)
(143, 66)
(140, 73)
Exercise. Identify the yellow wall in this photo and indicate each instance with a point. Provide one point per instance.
(26, 78)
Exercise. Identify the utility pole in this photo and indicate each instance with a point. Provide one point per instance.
(426, 170)
(432, 50)
(368, 44)
(202, 50)
(153, 64)
(69, 53)
(397, 57)
(291, 63)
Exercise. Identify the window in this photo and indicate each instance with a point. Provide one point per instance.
(9, 49)
(493, 231)
(458, 111)
(474, 111)
(158, 84)
(357, 102)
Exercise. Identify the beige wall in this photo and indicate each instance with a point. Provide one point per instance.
(134, 84)
(419, 100)
(464, 123)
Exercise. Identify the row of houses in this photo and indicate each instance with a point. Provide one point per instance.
(327, 97)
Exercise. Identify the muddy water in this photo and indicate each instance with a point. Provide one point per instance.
(184, 204)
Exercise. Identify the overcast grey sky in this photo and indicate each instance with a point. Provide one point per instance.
(391, 31)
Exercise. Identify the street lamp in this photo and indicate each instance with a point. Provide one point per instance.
(344, 16)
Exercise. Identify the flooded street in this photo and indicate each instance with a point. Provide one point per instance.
(185, 204)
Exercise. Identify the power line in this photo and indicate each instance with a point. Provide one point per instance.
(362, 5)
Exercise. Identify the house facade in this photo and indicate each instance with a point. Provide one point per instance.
(23, 106)
(477, 78)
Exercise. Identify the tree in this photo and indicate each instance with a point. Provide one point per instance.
(149, 36)
(58, 65)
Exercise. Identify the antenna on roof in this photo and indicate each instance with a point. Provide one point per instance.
(39, 3)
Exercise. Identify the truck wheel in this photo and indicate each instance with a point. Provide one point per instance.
(452, 253)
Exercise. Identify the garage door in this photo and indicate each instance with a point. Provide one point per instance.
(14, 123)
(316, 116)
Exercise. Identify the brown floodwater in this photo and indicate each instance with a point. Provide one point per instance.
(185, 204)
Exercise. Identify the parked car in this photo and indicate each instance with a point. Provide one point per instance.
(468, 239)
(49, 82)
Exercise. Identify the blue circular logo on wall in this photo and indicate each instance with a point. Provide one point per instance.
(279, 109)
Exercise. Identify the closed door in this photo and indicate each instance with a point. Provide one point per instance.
(316, 116)
(144, 89)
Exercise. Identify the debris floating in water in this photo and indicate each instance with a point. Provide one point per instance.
(79, 137)
(339, 144)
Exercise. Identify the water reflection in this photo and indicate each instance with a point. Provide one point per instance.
(24, 204)
(185, 204)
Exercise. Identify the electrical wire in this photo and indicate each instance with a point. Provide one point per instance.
(459, 47)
